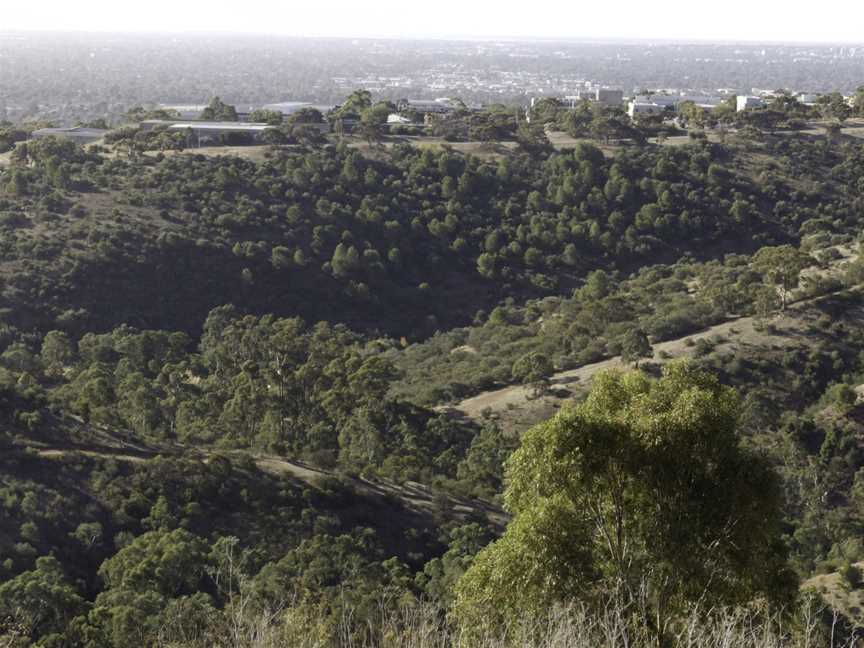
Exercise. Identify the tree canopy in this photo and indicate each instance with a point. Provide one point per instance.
(645, 486)
(218, 110)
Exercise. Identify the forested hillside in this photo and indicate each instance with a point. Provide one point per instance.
(223, 386)
(407, 243)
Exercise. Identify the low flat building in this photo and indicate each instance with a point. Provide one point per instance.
(668, 101)
(185, 111)
(425, 106)
(78, 134)
(208, 132)
(673, 100)
(291, 107)
(611, 97)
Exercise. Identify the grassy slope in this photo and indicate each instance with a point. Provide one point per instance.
(516, 408)
(69, 436)
(838, 594)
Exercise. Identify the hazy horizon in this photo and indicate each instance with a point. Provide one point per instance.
(603, 40)
(836, 22)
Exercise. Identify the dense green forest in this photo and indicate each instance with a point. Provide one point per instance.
(224, 386)
(409, 243)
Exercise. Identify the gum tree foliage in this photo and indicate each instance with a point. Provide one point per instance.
(781, 266)
(643, 485)
(533, 369)
(154, 571)
(43, 600)
(635, 346)
(218, 110)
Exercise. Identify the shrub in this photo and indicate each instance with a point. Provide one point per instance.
(851, 575)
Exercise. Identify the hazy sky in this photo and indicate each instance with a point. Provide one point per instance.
(761, 20)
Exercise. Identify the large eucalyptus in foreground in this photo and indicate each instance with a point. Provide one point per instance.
(645, 490)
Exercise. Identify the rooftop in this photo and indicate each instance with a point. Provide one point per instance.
(198, 107)
(209, 125)
(75, 130)
(289, 107)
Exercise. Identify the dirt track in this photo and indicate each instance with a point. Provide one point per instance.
(735, 332)
(267, 463)
(415, 496)
(742, 329)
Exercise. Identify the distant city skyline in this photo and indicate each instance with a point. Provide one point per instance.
(831, 21)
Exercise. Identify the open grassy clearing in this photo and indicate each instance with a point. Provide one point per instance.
(254, 153)
(838, 594)
(852, 130)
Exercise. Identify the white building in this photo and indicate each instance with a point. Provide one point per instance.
(645, 109)
(747, 102)
(673, 100)
(397, 119)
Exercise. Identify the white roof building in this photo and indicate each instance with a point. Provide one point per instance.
(220, 127)
(396, 118)
(206, 126)
(291, 107)
(672, 100)
(78, 134)
(746, 102)
(426, 105)
(635, 108)
(209, 132)
(185, 111)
